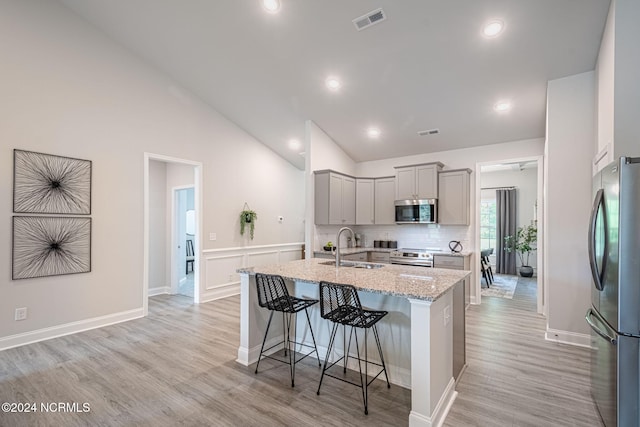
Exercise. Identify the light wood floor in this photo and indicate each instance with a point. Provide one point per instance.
(177, 367)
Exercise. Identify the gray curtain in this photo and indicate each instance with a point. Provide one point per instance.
(506, 226)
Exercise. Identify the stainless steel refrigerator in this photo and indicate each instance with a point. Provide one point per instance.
(614, 316)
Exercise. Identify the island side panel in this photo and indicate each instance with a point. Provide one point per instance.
(253, 323)
(393, 329)
(432, 383)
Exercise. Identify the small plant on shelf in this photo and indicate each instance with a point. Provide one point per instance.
(248, 217)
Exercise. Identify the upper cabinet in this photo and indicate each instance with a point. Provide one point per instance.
(417, 181)
(335, 198)
(453, 200)
(385, 192)
(365, 205)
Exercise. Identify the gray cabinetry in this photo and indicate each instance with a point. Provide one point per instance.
(453, 200)
(365, 201)
(361, 256)
(384, 211)
(379, 257)
(335, 198)
(460, 302)
(417, 181)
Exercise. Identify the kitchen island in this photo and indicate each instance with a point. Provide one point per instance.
(416, 336)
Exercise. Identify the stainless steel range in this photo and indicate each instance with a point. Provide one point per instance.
(412, 256)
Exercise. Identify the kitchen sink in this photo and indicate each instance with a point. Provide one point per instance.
(367, 265)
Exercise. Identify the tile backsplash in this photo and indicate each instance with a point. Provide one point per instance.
(407, 236)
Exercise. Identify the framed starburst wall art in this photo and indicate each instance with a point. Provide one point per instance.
(51, 244)
(47, 184)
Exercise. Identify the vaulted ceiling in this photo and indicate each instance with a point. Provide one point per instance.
(426, 66)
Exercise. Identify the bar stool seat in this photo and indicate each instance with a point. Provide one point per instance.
(274, 296)
(341, 305)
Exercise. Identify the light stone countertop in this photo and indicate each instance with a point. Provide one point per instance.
(423, 283)
(449, 253)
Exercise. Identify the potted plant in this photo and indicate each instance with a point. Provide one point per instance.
(248, 217)
(523, 243)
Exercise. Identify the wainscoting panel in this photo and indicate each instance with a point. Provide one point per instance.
(220, 277)
(257, 259)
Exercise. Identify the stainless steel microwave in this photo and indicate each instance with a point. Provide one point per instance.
(414, 211)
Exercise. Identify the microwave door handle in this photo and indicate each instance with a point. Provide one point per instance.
(597, 330)
(597, 275)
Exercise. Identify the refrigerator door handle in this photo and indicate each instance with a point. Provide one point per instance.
(597, 330)
(597, 275)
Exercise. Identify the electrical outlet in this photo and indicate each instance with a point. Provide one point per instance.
(21, 313)
(213, 236)
(447, 315)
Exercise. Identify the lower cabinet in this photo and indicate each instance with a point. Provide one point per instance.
(460, 302)
(324, 255)
(362, 256)
(379, 257)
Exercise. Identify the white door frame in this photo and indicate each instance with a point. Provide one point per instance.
(174, 255)
(198, 185)
(542, 287)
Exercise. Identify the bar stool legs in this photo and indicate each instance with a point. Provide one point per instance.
(274, 296)
(341, 305)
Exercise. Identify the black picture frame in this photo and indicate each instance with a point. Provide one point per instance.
(44, 246)
(50, 184)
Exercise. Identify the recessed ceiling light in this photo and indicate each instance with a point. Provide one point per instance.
(493, 28)
(294, 144)
(373, 132)
(333, 83)
(271, 6)
(502, 106)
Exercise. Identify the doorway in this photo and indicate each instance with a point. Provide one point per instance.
(165, 246)
(519, 184)
(183, 235)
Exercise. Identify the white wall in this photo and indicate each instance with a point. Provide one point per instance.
(605, 82)
(158, 237)
(570, 138)
(617, 70)
(526, 183)
(321, 152)
(68, 90)
(627, 70)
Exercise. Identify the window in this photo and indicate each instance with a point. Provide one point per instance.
(488, 223)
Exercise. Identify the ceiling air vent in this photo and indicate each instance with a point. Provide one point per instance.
(369, 19)
(429, 132)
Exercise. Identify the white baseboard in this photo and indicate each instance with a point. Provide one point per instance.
(160, 290)
(68, 328)
(249, 356)
(565, 337)
(221, 291)
(439, 413)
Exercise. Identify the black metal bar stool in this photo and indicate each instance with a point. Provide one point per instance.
(341, 305)
(274, 296)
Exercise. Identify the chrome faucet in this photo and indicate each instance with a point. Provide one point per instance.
(353, 238)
